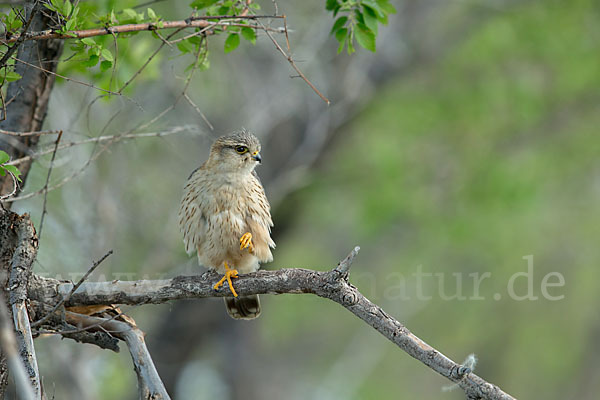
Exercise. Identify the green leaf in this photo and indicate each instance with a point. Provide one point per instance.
(70, 25)
(202, 3)
(232, 42)
(386, 6)
(185, 46)
(373, 5)
(107, 55)
(339, 23)
(105, 65)
(341, 35)
(2, 171)
(12, 21)
(331, 5)
(130, 15)
(370, 18)
(365, 37)
(151, 13)
(4, 157)
(12, 169)
(88, 41)
(249, 34)
(50, 7)
(341, 46)
(67, 8)
(11, 76)
(93, 60)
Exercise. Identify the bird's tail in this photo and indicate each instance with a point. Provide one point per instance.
(243, 307)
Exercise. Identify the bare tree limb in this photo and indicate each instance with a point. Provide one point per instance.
(332, 285)
(150, 385)
(20, 271)
(8, 344)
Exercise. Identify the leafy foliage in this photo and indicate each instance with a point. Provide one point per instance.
(359, 21)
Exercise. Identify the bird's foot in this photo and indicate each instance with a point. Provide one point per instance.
(229, 273)
(246, 242)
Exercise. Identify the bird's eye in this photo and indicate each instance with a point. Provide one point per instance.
(241, 149)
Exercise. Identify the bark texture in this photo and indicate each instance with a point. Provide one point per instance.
(28, 97)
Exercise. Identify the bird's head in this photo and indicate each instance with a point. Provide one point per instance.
(238, 152)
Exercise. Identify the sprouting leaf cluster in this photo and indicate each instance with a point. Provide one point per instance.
(11, 169)
(358, 19)
(12, 22)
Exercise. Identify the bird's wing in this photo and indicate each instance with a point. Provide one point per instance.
(259, 220)
(192, 221)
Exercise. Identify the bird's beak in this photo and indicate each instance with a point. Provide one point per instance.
(256, 156)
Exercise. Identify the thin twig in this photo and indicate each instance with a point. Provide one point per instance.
(171, 131)
(293, 64)
(210, 126)
(68, 296)
(67, 178)
(32, 133)
(62, 76)
(148, 61)
(15, 186)
(45, 188)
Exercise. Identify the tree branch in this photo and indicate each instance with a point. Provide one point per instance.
(150, 385)
(9, 347)
(332, 285)
(148, 26)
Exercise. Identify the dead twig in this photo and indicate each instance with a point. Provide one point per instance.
(177, 129)
(45, 188)
(75, 287)
(289, 58)
(26, 134)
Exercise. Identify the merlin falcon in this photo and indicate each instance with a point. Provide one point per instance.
(225, 216)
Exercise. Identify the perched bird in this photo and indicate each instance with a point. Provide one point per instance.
(225, 216)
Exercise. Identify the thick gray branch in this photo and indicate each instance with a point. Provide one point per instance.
(331, 285)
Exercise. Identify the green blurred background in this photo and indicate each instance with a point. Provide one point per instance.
(467, 142)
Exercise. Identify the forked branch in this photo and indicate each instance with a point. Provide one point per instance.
(332, 285)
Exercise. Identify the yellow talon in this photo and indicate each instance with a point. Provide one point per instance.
(229, 273)
(246, 242)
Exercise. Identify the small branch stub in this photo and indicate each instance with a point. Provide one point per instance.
(344, 265)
